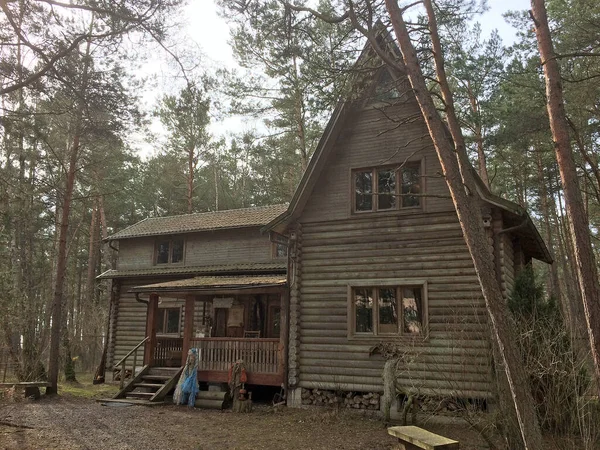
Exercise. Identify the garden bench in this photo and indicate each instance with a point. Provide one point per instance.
(31, 388)
(413, 438)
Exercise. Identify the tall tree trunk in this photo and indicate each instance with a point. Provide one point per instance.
(61, 257)
(190, 180)
(462, 189)
(478, 131)
(578, 222)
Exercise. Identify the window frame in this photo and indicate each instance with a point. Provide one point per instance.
(420, 163)
(171, 240)
(398, 284)
(165, 320)
(274, 246)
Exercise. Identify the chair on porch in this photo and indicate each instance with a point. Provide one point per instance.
(252, 334)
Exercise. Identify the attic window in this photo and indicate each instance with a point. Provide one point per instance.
(387, 188)
(169, 251)
(386, 88)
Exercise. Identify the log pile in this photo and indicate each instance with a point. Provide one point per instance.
(351, 400)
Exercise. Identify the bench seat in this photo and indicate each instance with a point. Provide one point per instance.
(413, 438)
(31, 388)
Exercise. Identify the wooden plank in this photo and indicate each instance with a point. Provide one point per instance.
(422, 438)
(151, 329)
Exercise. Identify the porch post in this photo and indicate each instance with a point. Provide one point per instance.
(151, 329)
(188, 326)
(284, 308)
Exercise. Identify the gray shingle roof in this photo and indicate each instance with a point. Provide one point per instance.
(242, 268)
(230, 282)
(187, 223)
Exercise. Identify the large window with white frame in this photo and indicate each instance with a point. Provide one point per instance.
(387, 188)
(384, 309)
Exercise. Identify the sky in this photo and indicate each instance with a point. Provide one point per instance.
(206, 31)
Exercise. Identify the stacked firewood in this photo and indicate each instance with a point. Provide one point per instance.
(353, 400)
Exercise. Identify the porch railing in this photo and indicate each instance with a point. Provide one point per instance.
(123, 362)
(167, 352)
(218, 354)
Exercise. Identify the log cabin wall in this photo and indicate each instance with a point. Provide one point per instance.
(241, 245)
(339, 248)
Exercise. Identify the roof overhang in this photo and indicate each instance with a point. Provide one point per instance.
(266, 268)
(216, 285)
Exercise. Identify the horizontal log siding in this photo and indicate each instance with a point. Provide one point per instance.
(370, 139)
(420, 246)
(130, 326)
(241, 245)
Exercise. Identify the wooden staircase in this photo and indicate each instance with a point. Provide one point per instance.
(150, 385)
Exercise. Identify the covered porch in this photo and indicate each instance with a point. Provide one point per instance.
(226, 318)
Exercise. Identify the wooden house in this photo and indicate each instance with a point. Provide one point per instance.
(210, 281)
(377, 255)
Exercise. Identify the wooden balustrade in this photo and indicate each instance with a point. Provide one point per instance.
(218, 354)
(168, 352)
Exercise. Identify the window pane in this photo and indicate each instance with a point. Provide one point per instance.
(280, 250)
(364, 190)
(388, 311)
(172, 320)
(412, 310)
(162, 252)
(386, 187)
(386, 87)
(411, 184)
(363, 299)
(160, 321)
(177, 251)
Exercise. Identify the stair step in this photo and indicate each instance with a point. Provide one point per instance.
(163, 371)
(148, 385)
(157, 377)
(136, 394)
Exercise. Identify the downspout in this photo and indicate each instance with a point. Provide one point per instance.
(111, 246)
(141, 300)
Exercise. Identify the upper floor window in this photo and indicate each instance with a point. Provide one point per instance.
(169, 251)
(279, 250)
(387, 188)
(388, 310)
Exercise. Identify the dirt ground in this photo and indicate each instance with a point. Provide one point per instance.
(68, 422)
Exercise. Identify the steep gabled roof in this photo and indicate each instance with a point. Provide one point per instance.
(189, 223)
(513, 212)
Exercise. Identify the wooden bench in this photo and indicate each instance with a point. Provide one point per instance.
(413, 438)
(31, 388)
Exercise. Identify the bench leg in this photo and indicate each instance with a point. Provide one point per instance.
(32, 391)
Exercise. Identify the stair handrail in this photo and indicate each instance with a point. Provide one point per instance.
(123, 362)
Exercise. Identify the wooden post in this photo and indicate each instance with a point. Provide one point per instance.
(284, 308)
(151, 329)
(188, 326)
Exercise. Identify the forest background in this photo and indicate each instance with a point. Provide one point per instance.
(73, 117)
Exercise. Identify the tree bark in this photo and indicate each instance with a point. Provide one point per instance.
(61, 258)
(461, 184)
(585, 264)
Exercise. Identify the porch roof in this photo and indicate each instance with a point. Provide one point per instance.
(221, 269)
(212, 283)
